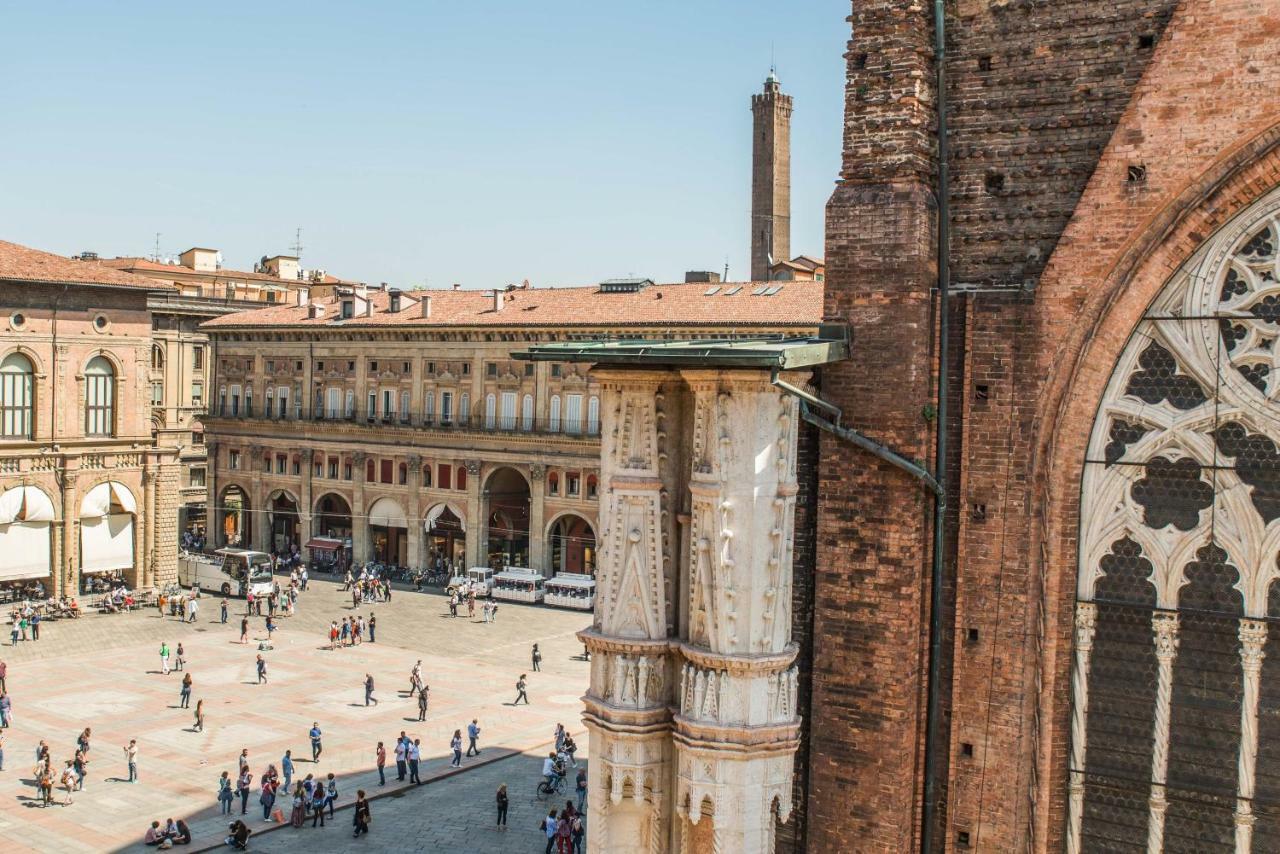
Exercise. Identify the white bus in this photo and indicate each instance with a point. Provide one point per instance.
(231, 572)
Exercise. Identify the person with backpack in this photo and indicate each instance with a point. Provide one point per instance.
(564, 832)
(550, 826)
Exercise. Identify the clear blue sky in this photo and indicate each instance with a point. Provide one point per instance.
(481, 142)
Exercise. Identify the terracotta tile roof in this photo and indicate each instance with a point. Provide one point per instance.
(732, 304)
(24, 264)
(145, 266)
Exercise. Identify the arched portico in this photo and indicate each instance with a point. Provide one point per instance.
(233, 517)
(505, 506)
(283, 507)
(388, 532)
(570, 545)
(446, 529)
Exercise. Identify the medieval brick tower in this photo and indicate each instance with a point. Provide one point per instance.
(770, 178)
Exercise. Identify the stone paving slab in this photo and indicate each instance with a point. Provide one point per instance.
(103, 671)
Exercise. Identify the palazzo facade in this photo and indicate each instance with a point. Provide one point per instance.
(399, 425)
(84, 488)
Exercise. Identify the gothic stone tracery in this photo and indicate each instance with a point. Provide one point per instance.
(1172, 734)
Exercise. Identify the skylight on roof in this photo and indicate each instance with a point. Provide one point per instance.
(712, 291)
(733, 290)
(773, 290)
(755, 292)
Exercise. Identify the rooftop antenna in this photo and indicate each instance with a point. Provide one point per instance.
(155, 254)
(726, 269)
(297, 244)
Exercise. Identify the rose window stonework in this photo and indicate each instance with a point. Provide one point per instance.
(1175, 727)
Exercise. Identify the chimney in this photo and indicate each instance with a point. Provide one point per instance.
(301, 296)
(457, 285)
(497, 299)
(426, 307)
(314, 310)
(395, 300)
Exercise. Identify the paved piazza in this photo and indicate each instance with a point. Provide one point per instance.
(104, 672)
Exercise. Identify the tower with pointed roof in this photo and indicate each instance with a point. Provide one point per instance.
(770, 177)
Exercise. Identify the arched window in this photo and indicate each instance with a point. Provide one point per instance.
(426, 475)
(16, 397)
(464, 408)
(370, 470)
(553, 483)
(99, 398)
(554, 421)
(350, 403)
(429, 406)
(157, 357)
(593, 416)
(490, 412)
(271, 402)
(526, 412)
(404, 406)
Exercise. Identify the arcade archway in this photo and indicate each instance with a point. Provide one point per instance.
(571, 545)
(284, 521)
(506, 501)
(446, 537)
(233, 517)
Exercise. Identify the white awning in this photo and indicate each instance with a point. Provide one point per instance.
(436, 512)
(25, 550)
(25, 504)
(106, 542)
(386, 513)
(98, 501)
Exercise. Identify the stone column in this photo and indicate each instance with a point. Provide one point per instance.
(413, 510)
(359, 524)
(65, 571)
(1086, 623)
(212, 513)
(628, 701)
(1164, 626)
(257, 533)
(1253, 636)
(538, 520)
(306, 508)
(737, 728)
(145, 527)
(477, 526)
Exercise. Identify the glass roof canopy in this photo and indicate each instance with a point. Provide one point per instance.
(831, 344)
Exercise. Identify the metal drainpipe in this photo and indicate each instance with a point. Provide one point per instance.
(933, 724)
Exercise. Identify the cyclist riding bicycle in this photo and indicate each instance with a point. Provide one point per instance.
(552, 769)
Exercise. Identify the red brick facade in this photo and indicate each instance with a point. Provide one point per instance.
(1094, 148)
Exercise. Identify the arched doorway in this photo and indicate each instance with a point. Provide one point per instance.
(446, 537)
(571, 545)
(506, 497)
(284, 522)
(233, 516)
(388, 532)
(1173, 711)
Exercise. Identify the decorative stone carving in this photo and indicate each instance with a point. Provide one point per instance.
(1253, 636)
(472, 467)
(1165, 628)
(537, 471)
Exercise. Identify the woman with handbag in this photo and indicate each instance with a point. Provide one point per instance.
(299, 811)
(362, 816)
(224, 793)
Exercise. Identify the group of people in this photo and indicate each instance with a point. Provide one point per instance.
(353, 630)
(368, 588)
(172, 833)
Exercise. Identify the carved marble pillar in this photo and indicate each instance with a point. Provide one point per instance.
(1164, 627)
(538, 558)
(1253, 635)
(1086, 625)
(627, 703)
(737, 728)
(359, 522)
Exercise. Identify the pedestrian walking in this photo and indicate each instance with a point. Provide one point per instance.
(1, 751)
(164, 658)
(180, 658)
(184, 696)
(471, 606)
(381, 757)
(455, 744)
(193, 606)
(267, 798)
(330, 789)
(415, 756)
(13, 633)
(262, 670)
(286, 768)
(199, 727)
(373, 622)
(360, 818)
(223, 612)
(473, 733)
(564, 832)
(520, 692)
(131, 758)
(368, 690)
(580, 788)
(244, 630)
(549, 826)
(503, 801)
(6, 710)
(316, 746)
(4, 671)
(224, 793)
(81, 766)
(244, 760)
(415, 678)
(537, 658)
(422, 702)
(271, 627)
(35, 627)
